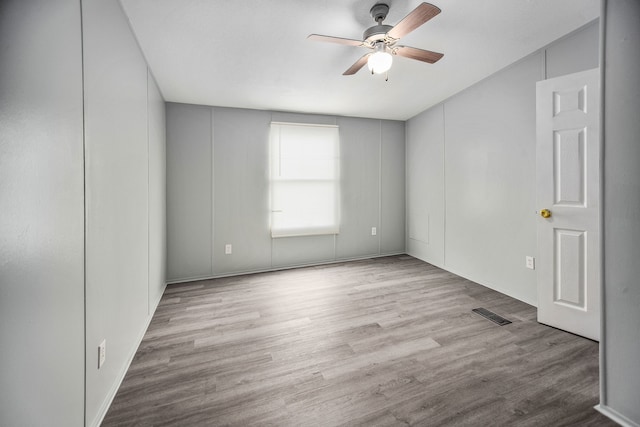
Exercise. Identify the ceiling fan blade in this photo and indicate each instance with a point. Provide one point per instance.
(357, 65)
(339, 40)
(419, 54)
(413, 20)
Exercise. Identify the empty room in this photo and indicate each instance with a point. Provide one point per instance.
(329, 213)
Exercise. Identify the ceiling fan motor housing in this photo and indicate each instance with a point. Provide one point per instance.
(376, 33)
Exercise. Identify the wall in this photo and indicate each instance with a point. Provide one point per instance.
(425, 186)
(41, 215)
(157, 160)
(620, 347)
(82, 146)
(218, 192)
(471, 171)
(124, 164)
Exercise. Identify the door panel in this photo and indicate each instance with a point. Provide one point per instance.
(570, 260)
(568, 184)
(569, 167)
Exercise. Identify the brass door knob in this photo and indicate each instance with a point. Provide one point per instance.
(545, 213)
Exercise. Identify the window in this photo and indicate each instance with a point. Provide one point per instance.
(305, 179)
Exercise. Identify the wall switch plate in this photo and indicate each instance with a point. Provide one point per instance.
(102, 353)
(228, 249)
(531, 262)
(374, 231)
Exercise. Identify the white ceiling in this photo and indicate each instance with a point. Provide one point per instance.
(254, 53)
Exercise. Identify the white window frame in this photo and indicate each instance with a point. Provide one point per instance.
(317, 210)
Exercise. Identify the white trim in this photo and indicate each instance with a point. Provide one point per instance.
(304, 124)
(603, 337)
(106, 403)
(213, 190)
(379, 224)
(464, 275)
(284, 233)
(615, 416)
(287, 267)
(444, 187)
(294, 210)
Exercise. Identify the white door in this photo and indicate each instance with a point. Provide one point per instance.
(568, 197)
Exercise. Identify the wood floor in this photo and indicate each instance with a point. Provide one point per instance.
(382, 342)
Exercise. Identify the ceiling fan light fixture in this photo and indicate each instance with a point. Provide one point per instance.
(382, 39)
(380, 61)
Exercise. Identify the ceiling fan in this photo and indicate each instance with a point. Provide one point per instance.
(382, 39)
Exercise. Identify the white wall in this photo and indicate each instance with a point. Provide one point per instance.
(471, 171)
(218, 192)
(41, 215)
(620, 373)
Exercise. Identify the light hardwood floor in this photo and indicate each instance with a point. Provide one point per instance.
(386, 341)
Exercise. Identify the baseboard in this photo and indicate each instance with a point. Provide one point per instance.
(99, 418)
(156, 303)
(506, 292)
(280, 268)
(615, 416)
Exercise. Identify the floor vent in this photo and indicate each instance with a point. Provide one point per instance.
(491, 316)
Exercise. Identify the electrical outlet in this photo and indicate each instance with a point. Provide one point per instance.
(228, 249)
(102, 353)
(531, 262)
(374, 231)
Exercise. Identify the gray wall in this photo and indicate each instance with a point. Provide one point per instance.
(218, 192)
(124, 163)
(471, 171)
(41, 215)
(620, 375)
(65, 181)
(157, 159)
